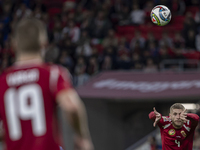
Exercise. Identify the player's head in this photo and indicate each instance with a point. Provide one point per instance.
(175, 112)
(29, 36)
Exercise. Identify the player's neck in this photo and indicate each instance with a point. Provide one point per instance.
(28, 58)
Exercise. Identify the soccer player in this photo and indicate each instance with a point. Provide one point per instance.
(177, 129)
(30, 91)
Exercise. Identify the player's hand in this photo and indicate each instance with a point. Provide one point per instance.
(183, 115)
(83, 144)
(158, 117)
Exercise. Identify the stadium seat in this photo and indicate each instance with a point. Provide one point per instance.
(53, 11)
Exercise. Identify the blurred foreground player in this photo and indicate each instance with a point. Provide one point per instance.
(177, 129)
(30, 91)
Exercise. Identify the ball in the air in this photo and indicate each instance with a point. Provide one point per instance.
(160, 15)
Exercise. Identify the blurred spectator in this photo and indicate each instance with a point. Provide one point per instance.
(72, 31)
(84, 38)
(84, 48)
(163, 54)
(152, 48)
(110, 39)
(93, 66)
(190, 40)
(124, 61)
(137, 15)
(136, 62)
(165, 40)
(189, 24)
(37, 13)
(79, 14)
(148, 8)
(197, 41)
(150, 66)
(67, 44)
(80, 72)
(66, 60)
(116, 10)
(107, 64)
(57, 29)
(123, 41)
(23, 11)
(197, 17)
(150, 39)
(69, 5)
(99, 26)
(111, 52)
(138, 39)
(124, 15)
(178, 7)
(106, 8)
(178, 41)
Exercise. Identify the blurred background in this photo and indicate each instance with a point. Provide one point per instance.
(121, 63)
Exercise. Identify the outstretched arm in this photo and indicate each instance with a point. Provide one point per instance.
(194, 118)
(155, 116)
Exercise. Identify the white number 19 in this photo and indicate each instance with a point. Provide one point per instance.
(17, 107)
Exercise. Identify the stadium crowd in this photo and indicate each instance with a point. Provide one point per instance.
(90, 36)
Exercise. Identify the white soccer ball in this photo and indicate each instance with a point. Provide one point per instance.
(160, 15)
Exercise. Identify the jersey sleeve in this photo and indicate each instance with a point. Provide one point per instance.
(194, 118)
(152, 116)
(60, 79)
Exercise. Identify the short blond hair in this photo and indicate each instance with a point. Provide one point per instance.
(177, 106)
(29, 34)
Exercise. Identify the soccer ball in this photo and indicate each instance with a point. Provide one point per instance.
(160, 15)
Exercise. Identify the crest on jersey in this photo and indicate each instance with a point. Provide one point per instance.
(183, 133)
(171, 132)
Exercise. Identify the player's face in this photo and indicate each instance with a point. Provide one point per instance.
(175, 117)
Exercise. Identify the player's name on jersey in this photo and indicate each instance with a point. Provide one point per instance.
(22, 77)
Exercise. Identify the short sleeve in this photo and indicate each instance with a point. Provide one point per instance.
(60, 79)
(64, 81)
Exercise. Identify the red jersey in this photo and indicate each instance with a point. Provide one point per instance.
(177, 139)
(27, 105)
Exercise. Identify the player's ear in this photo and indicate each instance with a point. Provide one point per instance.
(170, 115)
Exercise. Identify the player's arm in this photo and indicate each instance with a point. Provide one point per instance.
(194, 118)
(70, 102)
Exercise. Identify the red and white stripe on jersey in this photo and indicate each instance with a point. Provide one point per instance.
(166, 126)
